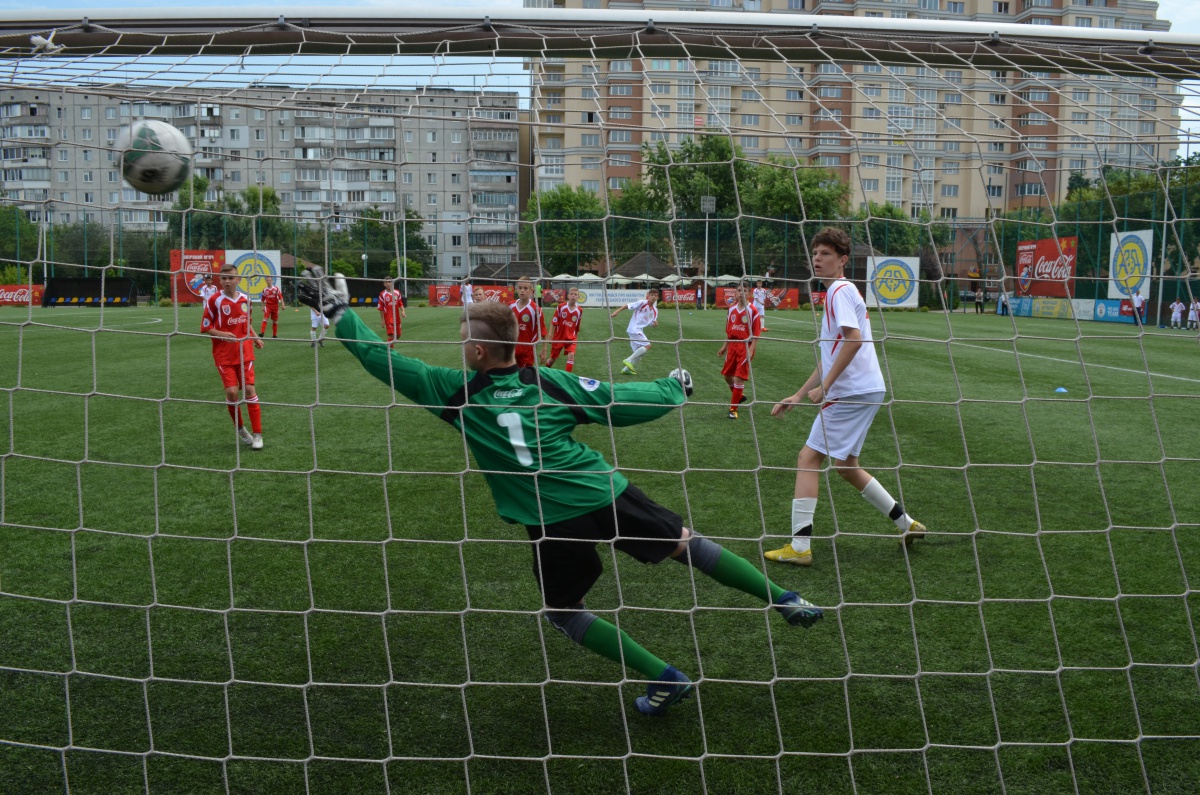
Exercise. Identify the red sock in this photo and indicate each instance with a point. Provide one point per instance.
(736, 391)
(255, 411)
(274, 328)
(570, 365)
(263, 329)
(235, 411)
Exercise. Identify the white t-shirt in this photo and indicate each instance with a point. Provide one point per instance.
(644, 314)
(1177, 309)
(845, 308)
(467, 297)
(1138, 300)
(207, 291)
(1194, 310)
(760, 297)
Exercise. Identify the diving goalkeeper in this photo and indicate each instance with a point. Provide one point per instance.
(518, 423)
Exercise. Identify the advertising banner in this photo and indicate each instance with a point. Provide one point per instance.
(258, 269)
(777, 297)
(892, 281)
(20, 295)
(187, 268)
(670, 296)
(450, 294)
(1129, 263)
(1113, 311)
(1051, 307)
(1046, 268)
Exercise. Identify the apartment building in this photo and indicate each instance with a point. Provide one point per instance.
(451, 155)
(951, 142)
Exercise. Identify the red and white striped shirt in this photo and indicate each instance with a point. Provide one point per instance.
(566, 322)
(222, 313)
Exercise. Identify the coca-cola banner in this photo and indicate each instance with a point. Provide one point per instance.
(1046, 268)
(777, 297)
(188, 269)
(450, 294)
(20, 294)
(1129, 266)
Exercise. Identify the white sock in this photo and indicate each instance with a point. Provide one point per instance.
(638, 354)
(878, 496)
(803, 509)
(312, 334)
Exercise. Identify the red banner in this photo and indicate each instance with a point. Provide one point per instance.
(20, 294)
(449, 294)
(670, 296)
(777, 297)
(187, 268)
(1047, 267)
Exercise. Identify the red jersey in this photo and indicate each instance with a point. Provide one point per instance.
(743, 324)
(531, 324)
(271, 297)
(233, 315)
(389, 306)
(566, 322)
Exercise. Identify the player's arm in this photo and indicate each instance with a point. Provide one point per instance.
(796, 398)
(618, 404)
(618, 310)
(421, 383)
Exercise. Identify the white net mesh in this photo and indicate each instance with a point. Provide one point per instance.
(344, 609)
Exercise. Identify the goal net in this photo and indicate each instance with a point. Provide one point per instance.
(344, 610)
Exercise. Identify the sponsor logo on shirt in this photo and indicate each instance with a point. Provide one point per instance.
(590, 384)
(508, 394)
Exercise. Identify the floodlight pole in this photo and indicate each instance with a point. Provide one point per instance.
(708, 204)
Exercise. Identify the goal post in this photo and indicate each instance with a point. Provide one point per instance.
(343, 609)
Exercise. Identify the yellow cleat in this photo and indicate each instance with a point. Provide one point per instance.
(786, 554)
(915, 532)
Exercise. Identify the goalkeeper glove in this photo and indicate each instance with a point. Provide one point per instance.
(326, 294)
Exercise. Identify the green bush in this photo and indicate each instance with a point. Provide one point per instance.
(166, 303)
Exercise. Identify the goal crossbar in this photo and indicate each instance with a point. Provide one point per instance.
(574, 33)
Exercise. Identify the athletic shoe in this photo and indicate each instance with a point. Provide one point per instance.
(797, 611)
(256, 444)
(733, 414)
(742, 400)
(916, 531)
(628, 368)
(672, 686)
(245, 435)
(312, 344)
(786, 554)
(321, 343)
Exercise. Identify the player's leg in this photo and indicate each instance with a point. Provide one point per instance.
(640, 345)
(804, 505)
(570, 358)
(262, 329)
(252, 407)
(874, 493)
(312, 332)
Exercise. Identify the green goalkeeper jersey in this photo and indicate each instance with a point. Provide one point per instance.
(518, 423)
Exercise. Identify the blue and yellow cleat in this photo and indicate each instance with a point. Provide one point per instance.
(797, 611)
(672, 686)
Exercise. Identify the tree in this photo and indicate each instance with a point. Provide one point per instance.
(18, 235)
(565, 229)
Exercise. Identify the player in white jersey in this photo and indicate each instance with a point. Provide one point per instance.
(645, 313)
(848, 386)
(1177, 308)
(467, 292)
(318, 322)
(208, 289)
(760, 302)
(1194, 314)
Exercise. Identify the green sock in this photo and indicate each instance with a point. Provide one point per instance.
(608, 641)
(737, 572)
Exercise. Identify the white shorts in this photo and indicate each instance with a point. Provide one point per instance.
(638, 339)
(841, 426)
(317, 318)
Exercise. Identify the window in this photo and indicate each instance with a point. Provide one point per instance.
(64, 155)
(456, 179)
(87, 135)
(88, 177)
(85, 113)
(589, 163)
(951, 146)
(995, 146)
(749, 141)
(999, 8)
(794, 94)
(620, 136)
(750, 119)
(456, 240)
(406, 178)
(592, 185)
(620, 66)
(1031, 189)
(955, 8)
(589, 139)
(456, 198)
(660, 88)
(431, 136)
(950, 191)
(949, 212)
(830, 92)
(456, 137)
(620, 90)
(431, 198)
(1083, 22)
(871, 90)
(995, 191)
(621, 113)
(795, 5)
(870, 185)
(950, 167)
(431, 178)
(870, 161)
(614, 183)
(87, 155)
(794, 120)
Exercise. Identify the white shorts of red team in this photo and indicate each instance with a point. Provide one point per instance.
(841, 426)
(637, 340)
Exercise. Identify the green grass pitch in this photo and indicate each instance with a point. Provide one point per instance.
(344, 612)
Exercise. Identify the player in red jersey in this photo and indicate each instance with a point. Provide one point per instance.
(391, 307)
(743, 324)
(227, 320)
(564, 326)
(272, 299)
(531, 324)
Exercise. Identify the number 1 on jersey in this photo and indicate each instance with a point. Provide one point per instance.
(511, 421)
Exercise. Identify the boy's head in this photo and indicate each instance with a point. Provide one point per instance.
(742, 291)
(208, 278)
(489, 334)
(830, 253)
(573, 295)
(652, 295)
(387, 283)
(229, 277)
(524, 289)
(478, 294)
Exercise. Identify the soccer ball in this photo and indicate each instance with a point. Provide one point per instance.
(684, 378)
(154, 156)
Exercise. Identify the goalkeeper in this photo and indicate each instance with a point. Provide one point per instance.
(518, 423)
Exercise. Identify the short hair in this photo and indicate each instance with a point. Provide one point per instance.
(208, 276)
(524, 280)
(654, 290)
(493, 325)
(229, 267)
(834, 238)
